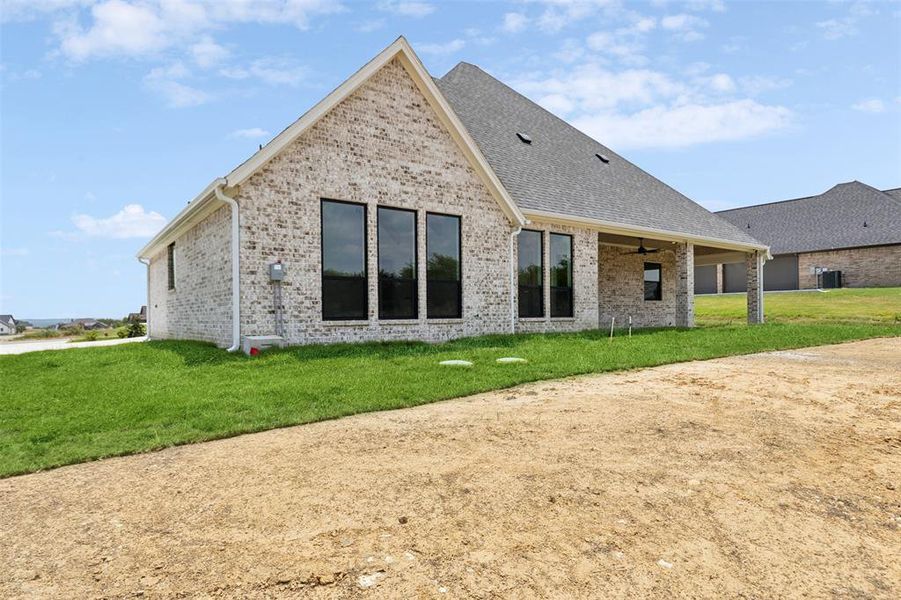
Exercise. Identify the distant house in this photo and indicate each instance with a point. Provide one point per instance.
(86, 324)
(852, 228)
(138, 317)
(7, 325)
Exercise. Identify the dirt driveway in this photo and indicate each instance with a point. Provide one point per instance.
(769, 475)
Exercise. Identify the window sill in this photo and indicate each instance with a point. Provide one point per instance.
(563, 319)
(354, 323)
(385, 322)
(445, 321)
(532, 319)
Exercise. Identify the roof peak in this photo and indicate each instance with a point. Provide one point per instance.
(853, 182)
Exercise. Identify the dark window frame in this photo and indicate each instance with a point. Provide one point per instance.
(322, 275)
(572, 277)
(415, 279)
(657, 295)
(170, 266)
(459, 218)
(542, 310)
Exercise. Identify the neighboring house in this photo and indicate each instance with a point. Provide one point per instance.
(7, 325)
(407, 207)
(86, 324)
(852, 228)
(139, 317)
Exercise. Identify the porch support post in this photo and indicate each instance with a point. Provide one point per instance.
(754, 262)
(685, 285)
(719, 278)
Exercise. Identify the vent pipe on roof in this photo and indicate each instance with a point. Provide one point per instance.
(603, 158)
(523, 137)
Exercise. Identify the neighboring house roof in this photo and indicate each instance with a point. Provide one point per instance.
(8, 320)
(559, 172)
(834, 219)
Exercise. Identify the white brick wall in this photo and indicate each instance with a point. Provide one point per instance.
(382, 146)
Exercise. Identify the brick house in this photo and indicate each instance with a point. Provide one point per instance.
(851, 228)
(407, 207)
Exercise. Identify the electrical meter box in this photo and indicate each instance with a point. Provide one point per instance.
(276, 271)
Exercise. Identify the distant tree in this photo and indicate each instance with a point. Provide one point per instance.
(135, 329)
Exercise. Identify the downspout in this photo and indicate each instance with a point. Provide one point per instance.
(513, 235)
(236, 265)
(146, 263)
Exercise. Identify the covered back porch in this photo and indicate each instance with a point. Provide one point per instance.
(649, 281)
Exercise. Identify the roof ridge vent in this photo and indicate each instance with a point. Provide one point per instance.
(603, 157)
(524, 137)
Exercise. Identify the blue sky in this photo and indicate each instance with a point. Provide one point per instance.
(116, 113)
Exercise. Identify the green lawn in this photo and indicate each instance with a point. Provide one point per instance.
(67, 406)
(869, 305)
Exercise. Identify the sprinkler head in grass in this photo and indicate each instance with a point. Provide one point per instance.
(455, 363)
(511, 360)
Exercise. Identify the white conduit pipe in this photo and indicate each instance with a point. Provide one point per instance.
(513, 311)
(236, 266)
(146, 263)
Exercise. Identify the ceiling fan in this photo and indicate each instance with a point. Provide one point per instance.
(642, 249)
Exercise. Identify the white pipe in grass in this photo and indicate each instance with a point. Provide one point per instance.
(612, 321)
(630, 325)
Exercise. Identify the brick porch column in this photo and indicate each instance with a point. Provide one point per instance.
(685, 285)
(754, 262)
(719, 278)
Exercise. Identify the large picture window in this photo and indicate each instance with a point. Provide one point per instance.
(653, 286)
(561, 275)
(344, 290)
(444, 289)
(531, 273)
(397, 263)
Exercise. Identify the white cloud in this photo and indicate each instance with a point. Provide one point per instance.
(686, 125)
(684, 27)
(562, 13)
(164, 81)
(834, 29)
(14, 252)
(272, 71)
(130, 222)
(873, 105)
(759, 84)
(514, 22)
(634, 108)
(701, 5)
(250, 134)
(723, 83)
(407, 8)
(207, 53)
(446, 48)
(116, 28)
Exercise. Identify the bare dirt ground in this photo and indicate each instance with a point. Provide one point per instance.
(772, 475)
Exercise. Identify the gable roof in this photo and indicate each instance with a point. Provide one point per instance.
(8, 320)
(559, 172)
(399, 49)
(831, 220)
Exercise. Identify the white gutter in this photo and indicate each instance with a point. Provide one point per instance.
(513, 311)
(146, 263)
(236, 265)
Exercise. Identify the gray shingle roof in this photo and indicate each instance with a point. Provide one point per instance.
(834, 219)
(8, 320)
(894, 193)
(559, 171)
